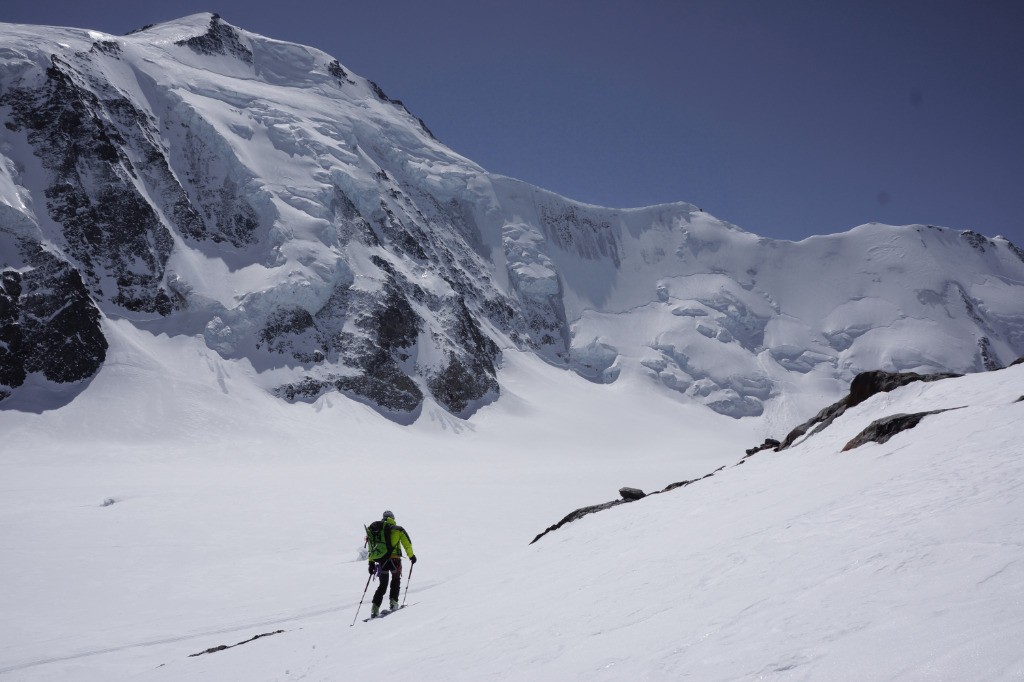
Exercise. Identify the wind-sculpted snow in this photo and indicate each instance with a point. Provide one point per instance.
(205, 180)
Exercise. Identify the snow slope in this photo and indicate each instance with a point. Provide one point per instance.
(900, 560)
(233, 508)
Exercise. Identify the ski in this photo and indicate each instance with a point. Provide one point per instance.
(382, 614)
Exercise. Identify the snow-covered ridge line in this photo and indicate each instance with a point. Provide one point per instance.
(198, 178)
(863, 387)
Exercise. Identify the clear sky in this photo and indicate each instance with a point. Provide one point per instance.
(788, 118)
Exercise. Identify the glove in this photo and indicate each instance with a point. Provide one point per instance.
(412, 559)
(371, 568)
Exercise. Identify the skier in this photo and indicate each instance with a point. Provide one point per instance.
(386, 540)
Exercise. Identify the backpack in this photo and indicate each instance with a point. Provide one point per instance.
(378, 541)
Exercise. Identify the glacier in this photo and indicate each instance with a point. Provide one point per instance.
(195, 178)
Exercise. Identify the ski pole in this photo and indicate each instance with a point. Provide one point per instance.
(364, 597)
(411, 566)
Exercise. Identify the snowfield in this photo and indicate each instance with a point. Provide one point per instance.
(902, 560)
(253, 303)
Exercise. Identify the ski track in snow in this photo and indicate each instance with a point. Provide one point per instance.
(275, 621)
(181, 638)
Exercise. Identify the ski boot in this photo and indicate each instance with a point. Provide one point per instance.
(394, 604)
(374, 610)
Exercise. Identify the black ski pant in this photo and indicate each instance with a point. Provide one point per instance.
(389, 567)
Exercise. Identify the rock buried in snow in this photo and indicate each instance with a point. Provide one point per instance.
(863, 386)
(222, 647)
(768, 444)
(881, 430)
(632, 493)
(578, 514)
(628, 495)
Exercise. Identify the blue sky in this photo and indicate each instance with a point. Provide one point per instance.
(786, 118)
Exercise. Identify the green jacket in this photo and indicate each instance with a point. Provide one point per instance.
(396, 537)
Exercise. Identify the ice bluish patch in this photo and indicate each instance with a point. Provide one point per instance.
(594, 360)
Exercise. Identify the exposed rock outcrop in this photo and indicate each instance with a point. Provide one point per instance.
(881, 430)
(864, 385)
(48, 324)
(110, 229)
(627, 495)
(631, 494)
(579, 514)
(222, 647)
(768, 444)
(220, 39)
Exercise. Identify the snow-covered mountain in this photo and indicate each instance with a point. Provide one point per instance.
(193, 178)
(206, 235)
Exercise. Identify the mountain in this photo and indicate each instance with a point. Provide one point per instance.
(224, 257)
(196, 179)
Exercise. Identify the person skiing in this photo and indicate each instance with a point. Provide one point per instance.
(385, 540)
